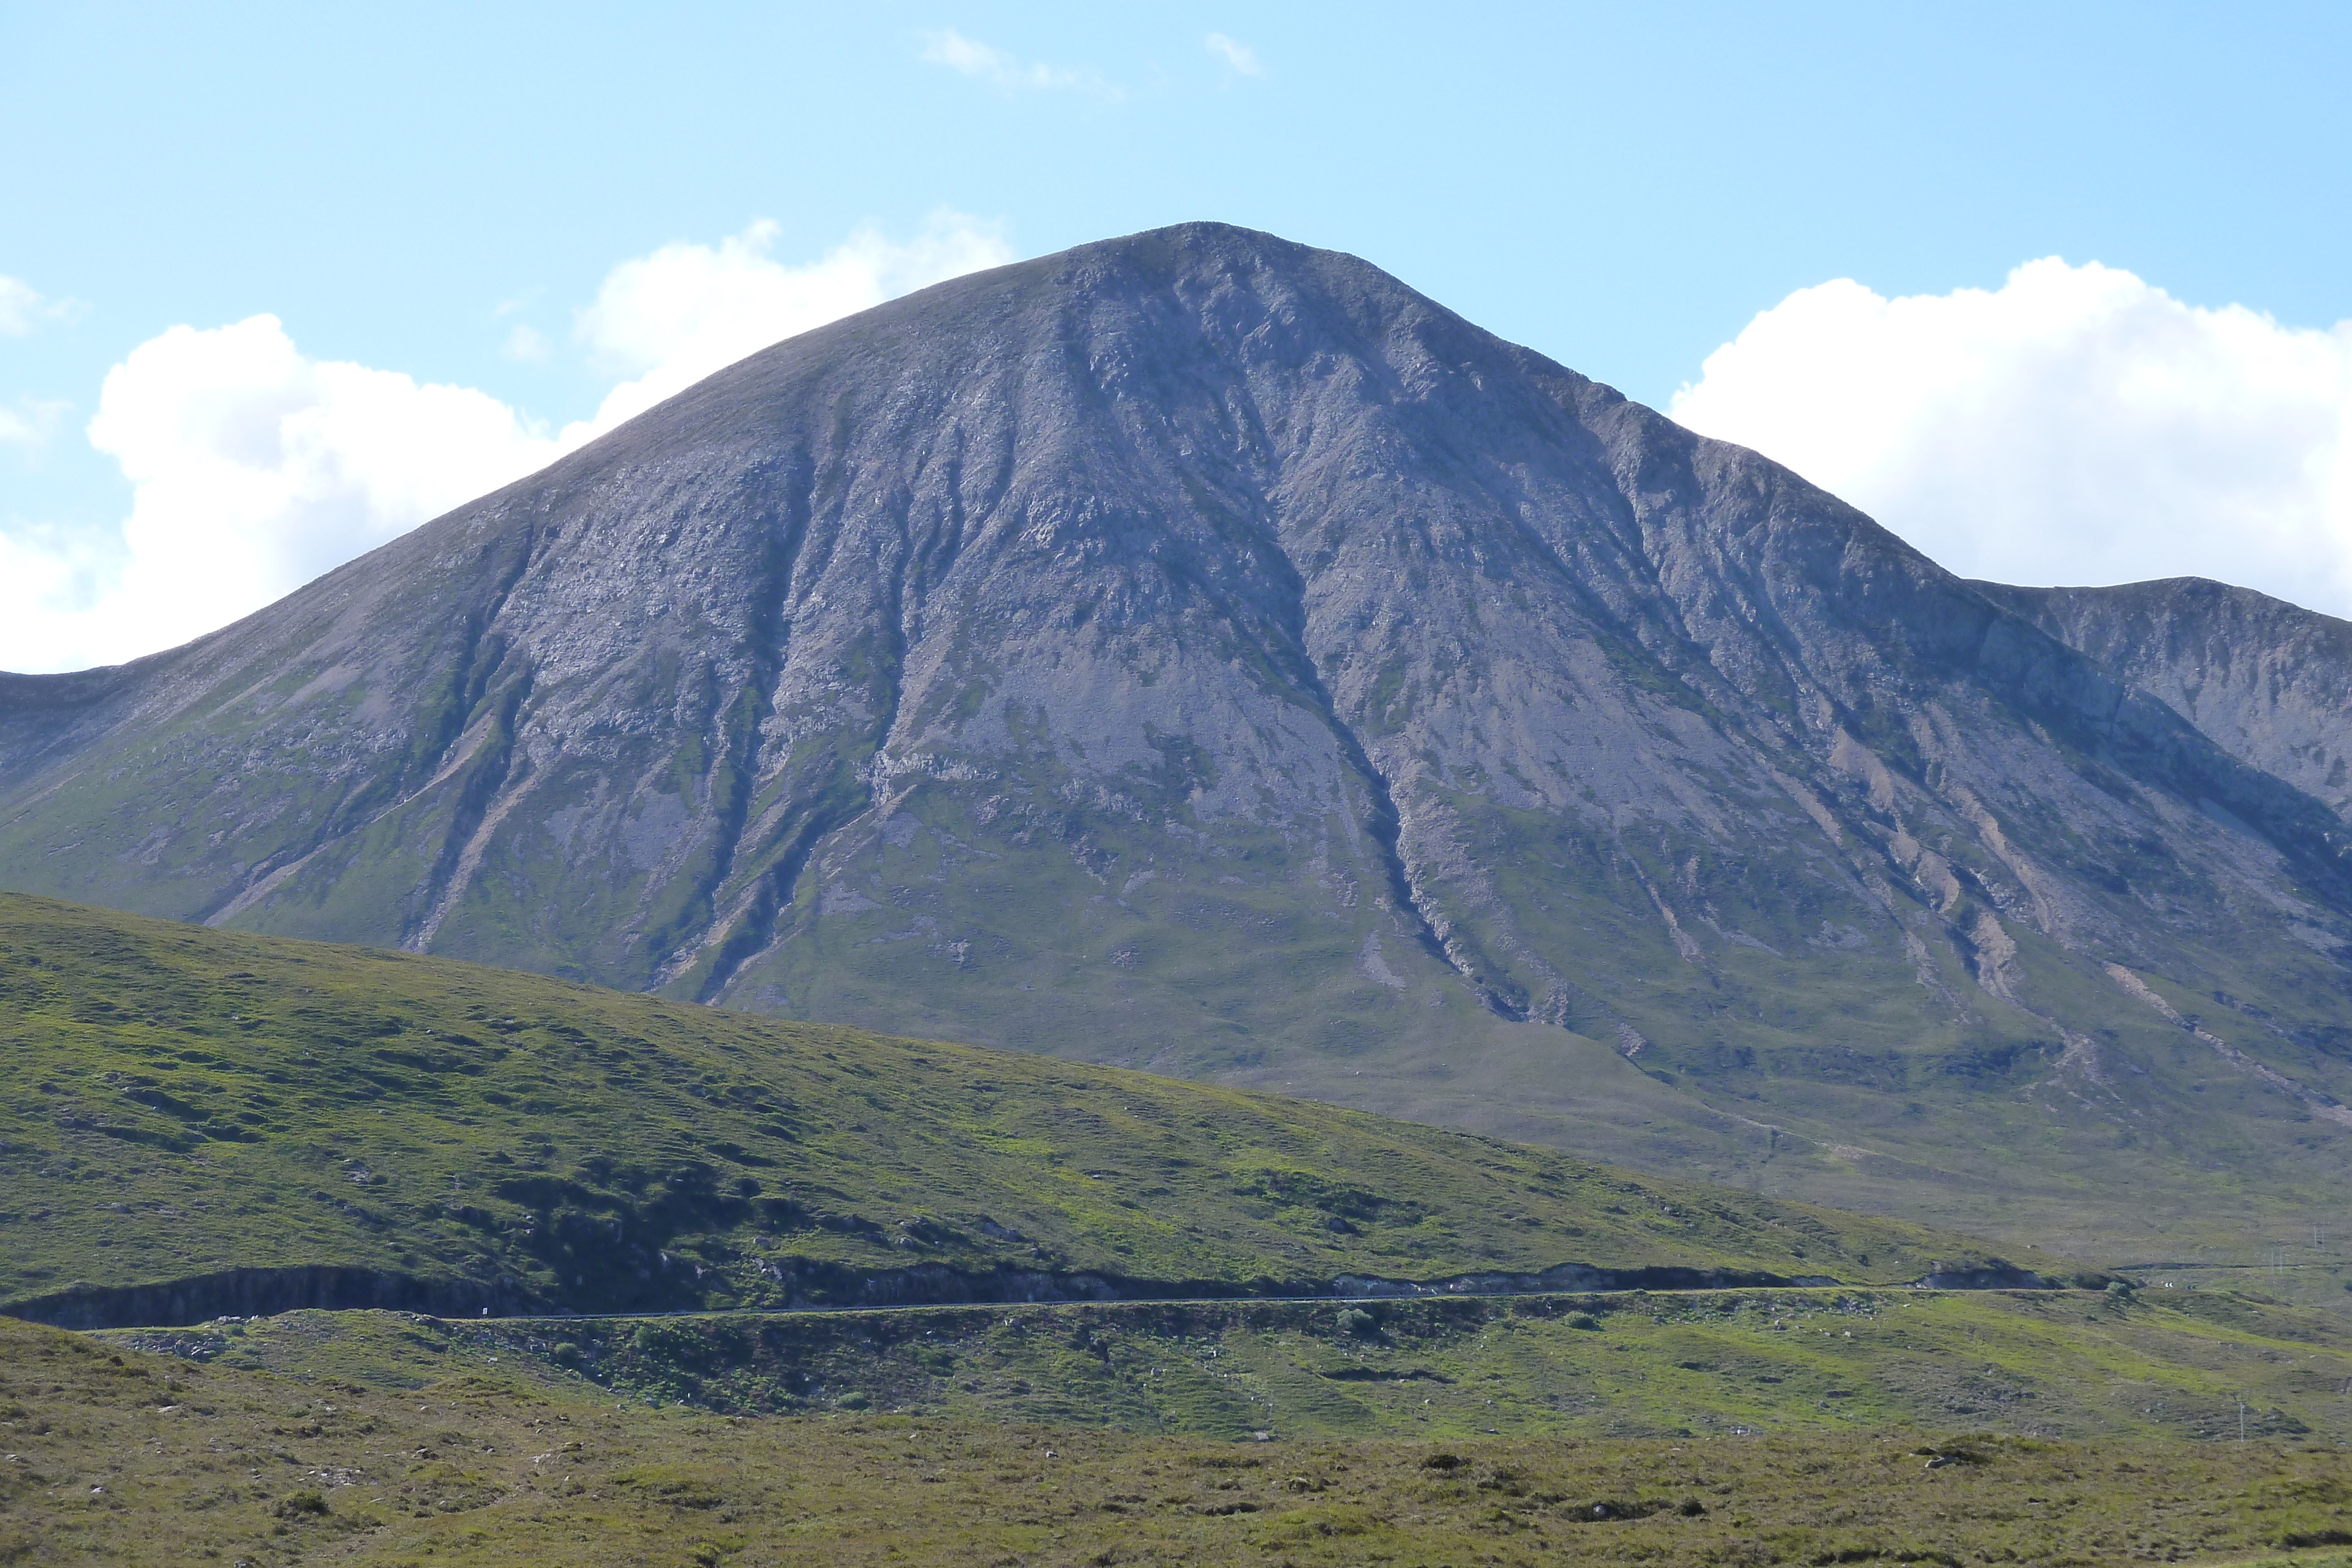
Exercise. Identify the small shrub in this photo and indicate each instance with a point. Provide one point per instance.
(302, 1502)
(1584, 1320)
(854, 1401)
(1442, 1462)
(1358, 1324)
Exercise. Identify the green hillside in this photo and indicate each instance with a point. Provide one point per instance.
(2066, 1364)
(119, 1457)
(177, 1102)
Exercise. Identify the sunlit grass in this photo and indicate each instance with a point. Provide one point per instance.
(176, 1101)
(115, 1456)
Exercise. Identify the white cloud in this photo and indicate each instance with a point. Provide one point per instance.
(2076, 426)
(527, 344)
(19, 306)
(22, 307)
(985, 62)
(31, 422)
(254, 469)
(1239, 56)
(668, 320)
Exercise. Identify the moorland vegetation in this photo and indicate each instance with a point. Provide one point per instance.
(113, 1456)
(183, 1104)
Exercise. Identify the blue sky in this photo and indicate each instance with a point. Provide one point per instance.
(1624, 188)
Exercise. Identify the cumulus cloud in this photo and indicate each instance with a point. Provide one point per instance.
(1238, 55)
(254, 467)
(2076, 426)
(668, 319)
(986, 62)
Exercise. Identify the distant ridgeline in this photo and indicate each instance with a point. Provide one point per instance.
(201, 1122)
(1202, 652)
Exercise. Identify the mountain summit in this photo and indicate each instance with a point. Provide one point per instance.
(1202, 651)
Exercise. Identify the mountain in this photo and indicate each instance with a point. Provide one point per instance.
(1203, 653)
(202, 1122)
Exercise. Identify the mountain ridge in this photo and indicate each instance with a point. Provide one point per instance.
(2266, 680)
(1203, 653)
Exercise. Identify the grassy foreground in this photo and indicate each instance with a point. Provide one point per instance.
(2039, 1363)
(116, 1457)
(175, 1100)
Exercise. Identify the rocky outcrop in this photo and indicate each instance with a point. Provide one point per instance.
(264, 1292)
(809, 1286)
(1990, 1274)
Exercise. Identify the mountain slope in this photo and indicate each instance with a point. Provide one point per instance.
(2268, 682)
(1201, 652)
(183, 1104)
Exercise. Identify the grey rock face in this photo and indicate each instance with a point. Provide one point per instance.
(1202, 652)
(2268, 682)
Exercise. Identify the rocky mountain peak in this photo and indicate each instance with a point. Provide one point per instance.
(1202, 651)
